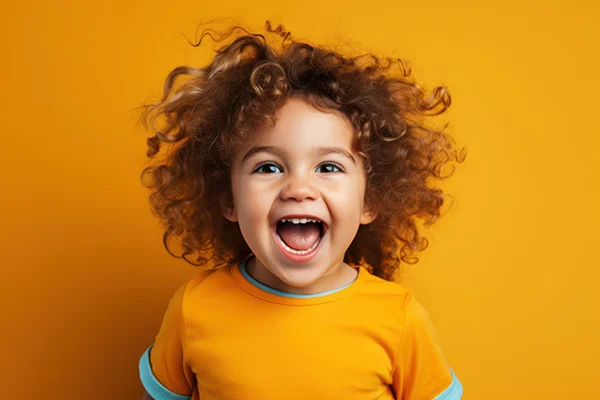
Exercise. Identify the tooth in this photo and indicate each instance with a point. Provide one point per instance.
(302, 220)
(295, 220)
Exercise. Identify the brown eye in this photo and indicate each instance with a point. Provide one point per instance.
(329, 168)
(268, 168)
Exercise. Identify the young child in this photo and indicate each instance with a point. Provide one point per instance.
(297, 175)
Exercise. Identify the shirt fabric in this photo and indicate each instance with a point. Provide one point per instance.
(226, 336)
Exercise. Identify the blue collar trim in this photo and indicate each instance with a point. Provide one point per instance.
(285, 294)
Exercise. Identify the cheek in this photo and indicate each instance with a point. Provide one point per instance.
(254, 201)
(346, 209)
(353, 194)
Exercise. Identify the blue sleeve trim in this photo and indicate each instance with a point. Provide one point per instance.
(154, 388)
(452, 392)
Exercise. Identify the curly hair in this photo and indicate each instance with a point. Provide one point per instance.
(208, 112)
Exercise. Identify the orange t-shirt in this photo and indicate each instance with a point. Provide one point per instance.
(226, 336)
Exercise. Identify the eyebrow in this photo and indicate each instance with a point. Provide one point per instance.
(322, 151)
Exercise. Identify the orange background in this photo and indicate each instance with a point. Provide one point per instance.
(510, 277)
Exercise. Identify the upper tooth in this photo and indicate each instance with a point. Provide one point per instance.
(299, 220)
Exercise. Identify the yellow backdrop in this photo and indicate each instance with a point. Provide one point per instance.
(510, 277)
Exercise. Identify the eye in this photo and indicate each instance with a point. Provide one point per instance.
(330, 168)
(268, 168)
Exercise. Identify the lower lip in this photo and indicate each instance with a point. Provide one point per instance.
(298, 258)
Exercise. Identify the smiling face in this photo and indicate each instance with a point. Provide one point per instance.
(301, 169)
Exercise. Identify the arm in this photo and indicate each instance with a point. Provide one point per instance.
(162, 369)
(420, 370)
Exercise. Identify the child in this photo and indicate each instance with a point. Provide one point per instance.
(297, 175)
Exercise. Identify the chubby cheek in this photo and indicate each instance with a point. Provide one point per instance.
(254, 203)
(345, 208)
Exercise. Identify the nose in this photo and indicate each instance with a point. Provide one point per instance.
(299, 189)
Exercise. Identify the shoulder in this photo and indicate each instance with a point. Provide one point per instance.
(191, 285)
(201, 277)
(204, 286)
(387, 299)
(385, 291)
(394, 301)
(398, 303)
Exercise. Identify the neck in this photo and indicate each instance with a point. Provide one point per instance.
(340, 275)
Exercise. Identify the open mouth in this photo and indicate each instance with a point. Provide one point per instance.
(299, 236)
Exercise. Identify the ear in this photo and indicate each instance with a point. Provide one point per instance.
(367, 216)
(228, 210)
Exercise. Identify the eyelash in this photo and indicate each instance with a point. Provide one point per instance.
(338, 166)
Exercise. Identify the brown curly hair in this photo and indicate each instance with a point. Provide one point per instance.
(208, 112)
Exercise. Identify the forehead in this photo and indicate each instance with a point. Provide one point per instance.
(301, 125)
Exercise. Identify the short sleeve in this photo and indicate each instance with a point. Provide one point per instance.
(421, 371)
(163, 370)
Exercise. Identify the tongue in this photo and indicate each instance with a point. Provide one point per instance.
(299, 236)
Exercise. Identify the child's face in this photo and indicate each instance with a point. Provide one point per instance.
(303, 167)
